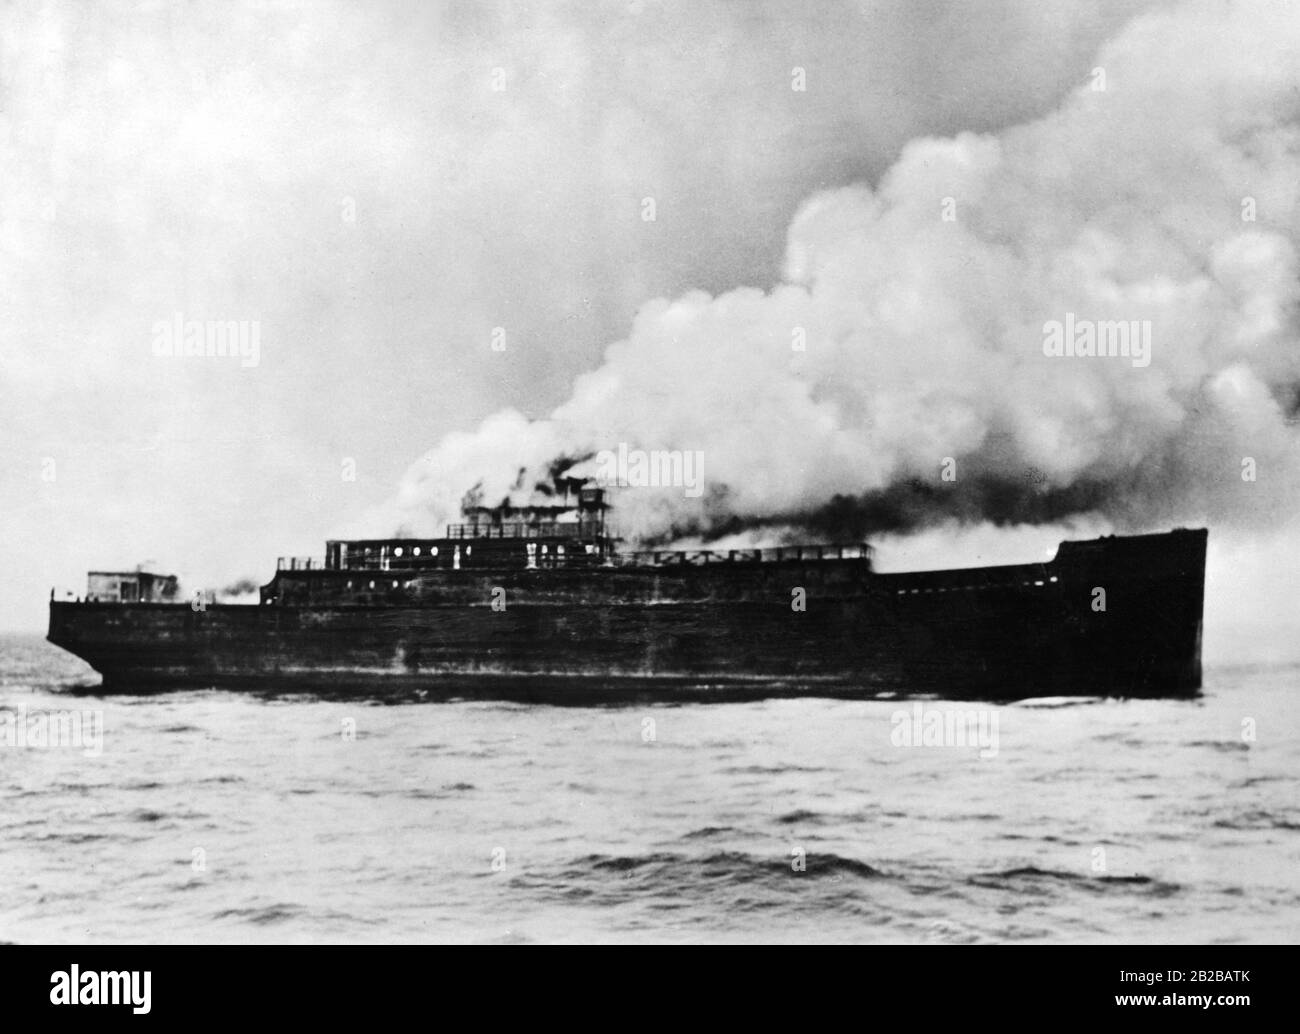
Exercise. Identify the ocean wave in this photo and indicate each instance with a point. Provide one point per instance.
(1028, 876)
(264, 916)
(709, 832)
(1231, 746)
(735, 866)
(1258, 820)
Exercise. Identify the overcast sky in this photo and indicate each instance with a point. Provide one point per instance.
(381, 184)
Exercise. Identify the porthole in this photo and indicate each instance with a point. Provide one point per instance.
(416, 550)
(372, 585)
(433, 551)
(394, 583)
(397, 551)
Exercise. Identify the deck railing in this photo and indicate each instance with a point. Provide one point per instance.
(778, 554)
(300, 563)
(644, 558)
(521, 530)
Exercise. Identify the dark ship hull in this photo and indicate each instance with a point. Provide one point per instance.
(1113, 616)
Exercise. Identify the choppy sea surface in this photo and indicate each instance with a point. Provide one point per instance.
(202, 817)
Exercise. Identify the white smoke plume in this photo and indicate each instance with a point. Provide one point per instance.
(1165, 189)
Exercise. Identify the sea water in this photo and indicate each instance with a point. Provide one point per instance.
(217, 816)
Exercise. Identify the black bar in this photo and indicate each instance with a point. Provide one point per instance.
(910, 985)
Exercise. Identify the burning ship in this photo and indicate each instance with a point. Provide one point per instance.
(538, 603)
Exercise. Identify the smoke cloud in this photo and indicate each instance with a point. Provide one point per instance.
(897, 377)
(241, 587)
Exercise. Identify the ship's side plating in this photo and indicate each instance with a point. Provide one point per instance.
(1118, 616)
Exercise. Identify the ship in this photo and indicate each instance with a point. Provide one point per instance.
(541, 604)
